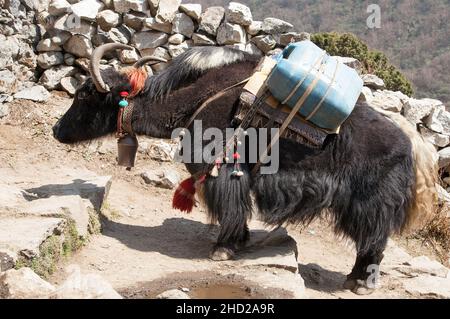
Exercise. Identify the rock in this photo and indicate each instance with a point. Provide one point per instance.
(423, 265)
(167, 10)
(253, 49)
(87, 9)
(51, 78)
(79, 46)
(385, 100)
(58, 7)
(153, 24)
(162, 151)
(166, 179)
(128, 56)
(8, 82)
(192, 10)
(47, 45)
(23, 236)
(11, 195)
(24, 284)
(154, 4)
(437, 139)
(176, 50)
(36, 93)
(442, 194)
(71, 23)
(90, 286)
(276, 26)
(159, 52)
(8, 53)
(239, 14)
(176, 39)
(183, 24)
(444, 157)
(374, 82)
(121, 34)
(416, 110)
(287, 38)
(59, 37)
(70, 85)
(173, 294)
(201, 40)
(69, 59)
(48, 59)
(255, 27)
(135, 20)
(264, 42)
(428, 286)
(4, 110)
(211, 20)
(439, 119)
(353, 63)
(230, 33)
(123, 6)
(107, 19)
(149, 39)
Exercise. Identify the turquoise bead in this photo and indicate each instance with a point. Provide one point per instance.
(123, 103)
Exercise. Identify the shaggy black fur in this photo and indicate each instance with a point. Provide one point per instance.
(363, 177)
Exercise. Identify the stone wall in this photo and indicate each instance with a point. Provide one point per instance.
(46, 46)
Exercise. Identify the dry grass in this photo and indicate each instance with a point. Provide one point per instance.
(437, 234)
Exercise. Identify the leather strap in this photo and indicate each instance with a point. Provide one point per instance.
(124, 120)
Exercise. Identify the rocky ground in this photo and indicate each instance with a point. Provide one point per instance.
(54, 198)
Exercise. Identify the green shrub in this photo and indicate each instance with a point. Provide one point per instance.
(375, 62)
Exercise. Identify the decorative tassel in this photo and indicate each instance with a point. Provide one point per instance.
(184, 197)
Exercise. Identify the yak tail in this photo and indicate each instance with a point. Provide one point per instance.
(425, 157)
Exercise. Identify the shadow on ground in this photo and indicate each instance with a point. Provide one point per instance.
(321, 279)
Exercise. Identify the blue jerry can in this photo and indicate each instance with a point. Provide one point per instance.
(326, 88)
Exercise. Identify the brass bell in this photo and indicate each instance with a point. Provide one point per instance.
(127, 148)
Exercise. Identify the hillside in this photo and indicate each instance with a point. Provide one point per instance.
(413, 34)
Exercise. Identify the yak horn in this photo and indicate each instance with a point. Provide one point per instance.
(143, 61)
(94, 65)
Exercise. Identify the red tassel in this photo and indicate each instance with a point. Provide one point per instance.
(184, 197)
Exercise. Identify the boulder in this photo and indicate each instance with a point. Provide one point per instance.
(51, 78)
(135, 20)
(153, 4)
(87, 9)
(153, 24)
(121, 34)
(47, 45)
(423, 265)
(8, 53)
(276, 26)
(211, 20)
(8, 82)
(183, 24)
(71, 23)
(416, 110)
(69, 59)
(264, 42)
(439, 119)
(253, 49)
(167, 179)
(107, 19)
(79, 286)
(162, 151)
(351, 62)
(202, 40)
(24, 283)
(176, 39)
(437, 139)
(167, 10)
(35, 93)
(385, 100)
(176, 50)
(374, 82)
(58, 7)
(48, 59)
(79, 45)
(428, 286)
(128, 56)
(123, 6)
(255, 27)
(173, 294)
(69, 84)
(286, 38)
(230, 33)
(192, 10)
(239, 14)
(149, 39)
(444, 157)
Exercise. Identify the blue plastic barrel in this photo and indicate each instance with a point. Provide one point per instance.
(326, 88)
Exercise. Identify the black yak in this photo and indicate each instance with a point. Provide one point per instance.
(368, 179)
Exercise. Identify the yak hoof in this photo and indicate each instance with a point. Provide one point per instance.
(358, 287)
(221, 254)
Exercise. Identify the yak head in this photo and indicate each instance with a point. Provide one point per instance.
(95, 106)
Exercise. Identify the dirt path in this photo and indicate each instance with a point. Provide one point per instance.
(143, 238)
